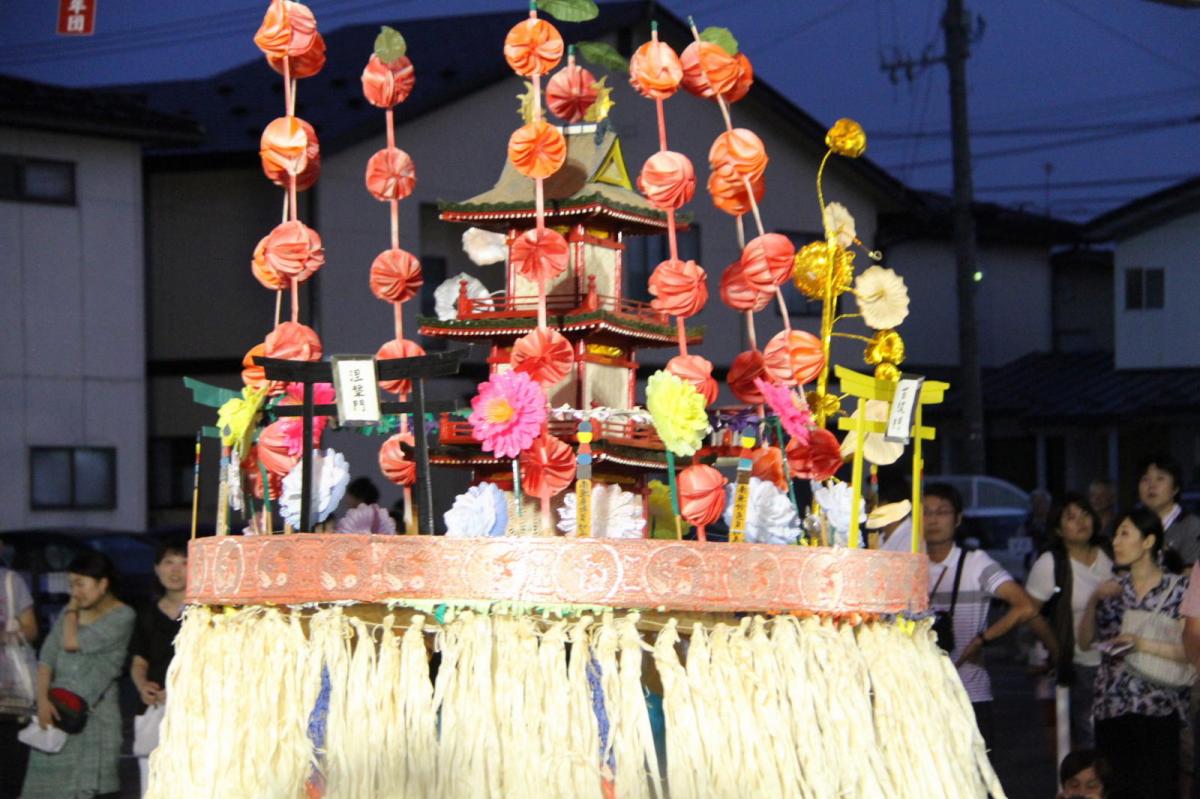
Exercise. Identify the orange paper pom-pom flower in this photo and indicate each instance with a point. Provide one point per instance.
(537, 150)
(708, 70)
(794, 357)
(680, 288)
(655, 71)
(818, 460)
(570, 93)
(390, 175)
(745, 368)
(253, 375)
(386, 85)
(745, 79)
(294, 250)
(767, 261)
(394, 461)
(738, 294)
(250, 468)
(292, 341)
(533, 47)
(305, 65)
(284, 145)
(739, 150)
(278, 155)
(398, 348)
(543, 354)
(539, 255)
(696, 370)
(668, 180)
(395, 276)
(547, 467)
(288, 29)
(701, 494)
(728, 191)
(767, 465)
(274, 450)
(263, 272)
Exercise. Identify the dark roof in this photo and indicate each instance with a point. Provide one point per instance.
(1146, 212)
(42, 106)
(1084, 387)
(931, 216)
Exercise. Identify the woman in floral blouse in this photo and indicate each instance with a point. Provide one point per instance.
(1137, 721)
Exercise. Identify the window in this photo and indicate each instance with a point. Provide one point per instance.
(643, 253)
(37, 180)
(171, 467)
(1144, 288)
(72, 478)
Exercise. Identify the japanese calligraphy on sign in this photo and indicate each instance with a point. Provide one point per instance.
(357, 387)
(76, 17)
(904, 407)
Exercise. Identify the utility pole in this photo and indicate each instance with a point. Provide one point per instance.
(960, 33)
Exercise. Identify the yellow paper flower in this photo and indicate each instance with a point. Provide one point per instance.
(236, 417)
(876, 449)
(824, 405)
(847, 138)
(882, 297)
(677, 409)
(812, 266)
(840, 224)
(886, 346)
(887, 371)
(662, 516)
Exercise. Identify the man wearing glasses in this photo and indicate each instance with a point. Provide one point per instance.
(962, 585)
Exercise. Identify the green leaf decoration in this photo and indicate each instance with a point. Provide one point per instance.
(208, 394)
(602, 55)
(390, 45)
(720, 37)
(569, 10)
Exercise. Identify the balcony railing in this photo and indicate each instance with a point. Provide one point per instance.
(453, 430)
(505, 306)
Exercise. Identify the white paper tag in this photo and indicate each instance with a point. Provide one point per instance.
(357, 387)
(904, 409)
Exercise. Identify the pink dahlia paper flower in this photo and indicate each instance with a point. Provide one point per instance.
(507, 414)
(791, 408)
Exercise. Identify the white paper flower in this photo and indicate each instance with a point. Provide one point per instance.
(615, 513)
(233, 483)
(483, 246)
(876, 449)
(445, 296)
(882, 297)
(834, 501)
(481, 511)
(330, 474)
(770, 517)
(839, 222)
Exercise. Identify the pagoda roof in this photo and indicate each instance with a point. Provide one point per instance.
(646, 331)
(592, 183)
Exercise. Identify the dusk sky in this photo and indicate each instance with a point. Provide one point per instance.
(1107, 92)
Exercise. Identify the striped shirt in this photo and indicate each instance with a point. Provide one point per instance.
(981, 577)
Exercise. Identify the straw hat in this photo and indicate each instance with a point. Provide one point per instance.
(888, 514)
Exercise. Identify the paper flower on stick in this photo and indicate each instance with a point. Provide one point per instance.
(277, 152)
(484, 247)
(539, 255)
(655, 71)
(366, 519)
(818, 459)
(294, 250)
(745, 369)
(767, 261)
(677, 410)
(729, 194)
(662, 515)
(537, 149)
(445, 296)
(840, 224)
(738, 294)
(668, 180)
(836, 501)
(771, 517)
(251, 468)
(768, 465)
(547, 466)
(885, 346)
(680, 288)
(236, 417)
(395, 276)
(543, 354)
(794, 357)
(701, 494)
(481, 511)
(305, 65)
(876, 449)
(253, 375)
(274, 448)
(386, 85)
(507, 414)
(398, 348)
(847, 138)
(394, 461)
(745, 79)
(615, 513)
(293, 426)
(814, 265)
(533, 47)
(292, 341)
(882, 297)
(571, 92)
(390, 175)
(791, 408)
(288, 29)
(697, 371)
(263, 272)
(740, 152)
(708, 70)
(331, 474)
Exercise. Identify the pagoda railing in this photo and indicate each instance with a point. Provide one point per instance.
(505, 306)
(623, 432)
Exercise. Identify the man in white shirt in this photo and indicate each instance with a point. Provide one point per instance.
(17, 621)
(980, 580)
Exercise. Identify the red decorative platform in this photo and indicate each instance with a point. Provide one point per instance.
(637, 573)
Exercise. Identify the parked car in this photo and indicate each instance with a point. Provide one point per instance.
(994, 514)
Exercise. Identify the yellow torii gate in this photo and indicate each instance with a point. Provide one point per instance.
(867, 387)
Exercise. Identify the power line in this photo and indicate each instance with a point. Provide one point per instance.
(1114, 126)
(1125, 37)
(1084, 184)
(806, 24)
(1078, 108)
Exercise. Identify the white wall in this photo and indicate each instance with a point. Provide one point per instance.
(1167, 336)
(72, 356)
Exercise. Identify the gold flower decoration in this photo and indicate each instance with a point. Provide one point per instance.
(885, 346)
(812, 267)
(847, 138)
(882, 297)
(823, 406)
(887, 371)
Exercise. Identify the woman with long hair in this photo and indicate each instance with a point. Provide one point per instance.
(82, 658)
(1060, 583)
(1139, 705)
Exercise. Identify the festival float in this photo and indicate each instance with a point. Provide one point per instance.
(519, 643)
